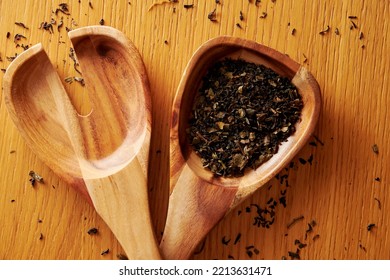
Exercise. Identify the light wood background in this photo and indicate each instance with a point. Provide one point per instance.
(338, 190)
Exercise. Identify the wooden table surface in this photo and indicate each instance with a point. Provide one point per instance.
(336, 186)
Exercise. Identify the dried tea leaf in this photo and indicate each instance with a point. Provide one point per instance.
(375, 149)
(240, 116)
(212, 16)
(93, 231)
(21, 24)
(35, 177)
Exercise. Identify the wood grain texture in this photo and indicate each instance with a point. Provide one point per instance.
(338, 189)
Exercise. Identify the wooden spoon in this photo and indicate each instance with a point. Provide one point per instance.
(198, 200)
(109, 146)
(26, 87)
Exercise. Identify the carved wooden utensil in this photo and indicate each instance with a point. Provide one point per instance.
(108, 148)
(198, 200)
(33, 110)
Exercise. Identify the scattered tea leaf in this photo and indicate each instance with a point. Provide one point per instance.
(17, 37)
(241, 16)
(46, 26)
(105, 252)
(370, 226)
(62, 8)
(310, 159)
(315, 237)
(224, 241)
(212, 16)
(302, 161)
(323, 32)
(282, 200)
(300, 244)
(363, 248)
(309, 229)
(264, 15)
(293, 31)
(238, 237)
(265, 216)
(79, 80)
(294, 255)
(21, 24)
(35, 177)
(68, 80)
(23, 46)
(250, 250)
(72, 56)
(93, 231)
(294, 221)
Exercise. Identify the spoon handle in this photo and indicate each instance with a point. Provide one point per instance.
(192, 212)
(129, 219)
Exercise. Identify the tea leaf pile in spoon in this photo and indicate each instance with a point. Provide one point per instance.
(240, 116)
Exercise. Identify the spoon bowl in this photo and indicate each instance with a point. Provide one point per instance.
(198, 199)
(107, 150)
(112, 134)
(26, 87)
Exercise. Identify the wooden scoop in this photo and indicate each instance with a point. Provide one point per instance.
(109, 147)
(27, 92)
(198, 200)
